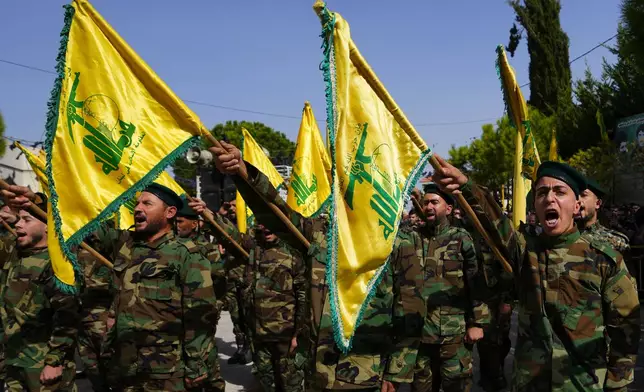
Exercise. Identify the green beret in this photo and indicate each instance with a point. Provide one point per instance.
(166, 194)
(187, 212)
(595, 188)
(432, 187)
(561, 171)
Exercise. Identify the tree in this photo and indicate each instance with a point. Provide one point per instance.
(618, 93)
(3, 143)
(489, 159)
(550, 76)
(281, 149)
(599, 162)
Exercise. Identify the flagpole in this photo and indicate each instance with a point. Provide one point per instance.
(370, 77)
(244, 175)
(208, 216)
(9, 228)
(43, 215)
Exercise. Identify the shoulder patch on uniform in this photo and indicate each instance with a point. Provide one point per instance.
(190, 245)
(459, 230)
(605, 249)
(619, 234)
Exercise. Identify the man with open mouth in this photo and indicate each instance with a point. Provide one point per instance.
(575, 296)
(588, 221)
(164, 303)
(453, 318)
(40, 322)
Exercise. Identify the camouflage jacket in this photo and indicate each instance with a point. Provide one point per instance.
(210, 250)
(613, 238)
(164, 307)
(574, 296)
(279, 290)
(96, 291)
(39, 321)
(374, 340)
(449, 284)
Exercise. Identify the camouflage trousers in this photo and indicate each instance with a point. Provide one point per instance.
(90, 340)
(20, 379)
(215, 382)
(443, 365)
(235, 305)
(144, 383)
(276, 368)
(494, 347)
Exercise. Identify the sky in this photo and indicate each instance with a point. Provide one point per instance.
(436, 58)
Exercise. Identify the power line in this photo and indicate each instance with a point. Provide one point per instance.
(241, 110)
(584, 54)
(29, 143)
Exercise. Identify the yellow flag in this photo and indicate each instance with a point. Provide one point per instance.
(253, 153)
(554, 150)
(37, 163)
(112, 128)
(309, 187)
(526, 155)
(377, 158)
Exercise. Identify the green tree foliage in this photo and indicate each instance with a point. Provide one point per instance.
(597, 162)
(281, 149)
(489, 159)
(618, 93)
(3, 143)
(550, 76)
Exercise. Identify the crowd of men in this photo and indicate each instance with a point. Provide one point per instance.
(148, 324)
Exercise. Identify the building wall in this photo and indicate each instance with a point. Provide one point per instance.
(15, 169)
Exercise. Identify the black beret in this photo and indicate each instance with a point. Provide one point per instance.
(595, 188)
(187, 212)
(561, 171)
(432, 187)
(166, 194)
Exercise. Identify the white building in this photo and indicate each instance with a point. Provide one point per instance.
(15, 169)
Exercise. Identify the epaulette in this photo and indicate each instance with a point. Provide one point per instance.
(192, 246)
(605, 249)
(458, 230)
(618, 234)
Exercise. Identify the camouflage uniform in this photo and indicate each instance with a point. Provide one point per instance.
(40, 323)
(211, 252)
(449, 270)
(363, 368)
(164, 311)
(495, 345)
(279, 292)
(574, 296)
(598, 232)
(96, 299)
(7, 252)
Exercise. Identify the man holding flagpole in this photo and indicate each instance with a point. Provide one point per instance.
(579, 314)
(387, 328)
(40, 322)
(165, 304)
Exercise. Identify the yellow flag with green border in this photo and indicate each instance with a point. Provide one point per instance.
(37, 163)
(526, 156)
(376, 161)
(253, 153)
(113, 126)
(309, 187)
